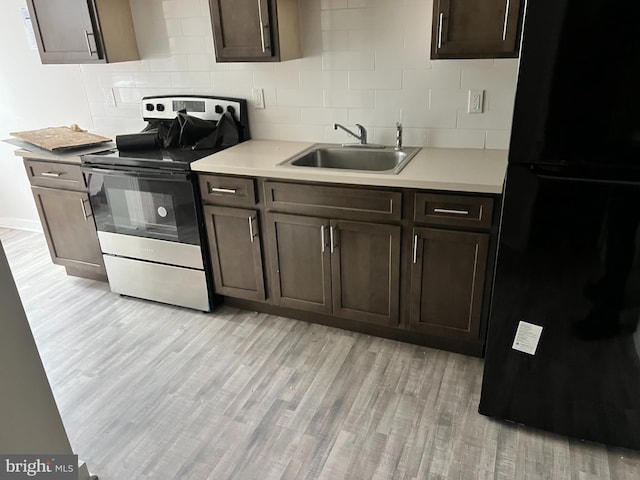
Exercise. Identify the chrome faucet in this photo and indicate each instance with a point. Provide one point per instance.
(398, 136)
(363, 132)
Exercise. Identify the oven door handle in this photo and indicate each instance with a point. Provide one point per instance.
(140, 173)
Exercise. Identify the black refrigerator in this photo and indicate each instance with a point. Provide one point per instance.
(563, 346)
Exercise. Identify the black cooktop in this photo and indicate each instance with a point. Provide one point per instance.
(170, 159)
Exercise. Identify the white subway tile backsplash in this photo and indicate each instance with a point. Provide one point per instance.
(273, 79)
(485, 121)
(441, 99)
(350, 19)
(301, 97)
(431, 78)
(196, 26)
(230, 80)
(324, 80)
(187, 44)
(456, 138)
(191, 80)
(276, 114)
(324, 116)
(364, 61)
(336, 98)
(498, 139)
(377, 79)
(335, 41)
(415, 137)
(422, 117)
(152, 79)
(181, 8)
(349, 60)
(378, 117)
(173, 63)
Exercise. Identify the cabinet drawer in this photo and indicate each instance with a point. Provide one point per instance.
(227, 191)
(455, 210)
(55, 175)
(335, 202)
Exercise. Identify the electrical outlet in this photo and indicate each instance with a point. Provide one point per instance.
(476, 101)
(258, 98)
(109, 97)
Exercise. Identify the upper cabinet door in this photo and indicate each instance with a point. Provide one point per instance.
(83, 31)
(475, 28)
(255, 30)
(65, 32)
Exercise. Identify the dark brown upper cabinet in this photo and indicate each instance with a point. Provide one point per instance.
(475, 28)
(255, 30)
(83, 31)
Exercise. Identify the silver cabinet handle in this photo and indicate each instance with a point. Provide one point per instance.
(262, 27)
(331, 239)
(440, 29)
(506, 18)
(252, 235)
(415, 248)
(86, 37)
(322, 238)
(51, 174)
(450, 210)
(84, 210)
(221, 190)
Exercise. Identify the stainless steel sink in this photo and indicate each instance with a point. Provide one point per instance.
(374, 160)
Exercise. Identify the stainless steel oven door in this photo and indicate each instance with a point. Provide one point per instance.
(143, 203)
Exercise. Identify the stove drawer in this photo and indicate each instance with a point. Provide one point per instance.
(55, 175)
(227, 190)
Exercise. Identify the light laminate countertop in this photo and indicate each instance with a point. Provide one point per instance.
(454, 169)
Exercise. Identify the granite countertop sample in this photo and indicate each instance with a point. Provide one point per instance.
(453, 169)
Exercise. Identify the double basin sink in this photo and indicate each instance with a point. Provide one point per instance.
(362, 158)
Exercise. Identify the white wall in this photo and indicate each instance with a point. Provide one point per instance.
(365, 61)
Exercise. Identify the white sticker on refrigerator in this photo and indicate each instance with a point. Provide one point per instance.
(527, 338)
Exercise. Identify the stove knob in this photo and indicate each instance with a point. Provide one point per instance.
(149, 107)
(219, 109)
(231, 110)
(160, 107)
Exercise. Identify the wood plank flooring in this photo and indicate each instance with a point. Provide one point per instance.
(149, 391)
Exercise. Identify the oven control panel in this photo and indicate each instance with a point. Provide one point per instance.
(204, 107)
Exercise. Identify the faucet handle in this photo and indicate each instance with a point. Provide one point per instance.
(398, 136)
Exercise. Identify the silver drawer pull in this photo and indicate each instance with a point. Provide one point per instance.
(415, 249)
(331, 244)
(84, 210)
(221, 190)
(440, 19)
(86, 37)
(449, 210)
(251, 233)
(51, 174)
(322, 238)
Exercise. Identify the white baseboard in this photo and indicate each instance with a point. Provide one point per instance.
(20, 224)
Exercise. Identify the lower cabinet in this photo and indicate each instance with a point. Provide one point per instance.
(447, 282)
(345, 268)
(236, 256)
(69, 229)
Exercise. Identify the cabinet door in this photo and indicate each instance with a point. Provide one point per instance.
(236, 256)
(66, 31)
(300, 262)
(365, 266)
(475, 28)
(241, 29)
(69, 228)
(447, 282)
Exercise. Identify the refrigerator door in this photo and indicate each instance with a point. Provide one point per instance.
(576, 100)
(563, 351)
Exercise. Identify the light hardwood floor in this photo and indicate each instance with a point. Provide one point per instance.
(149, 391)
